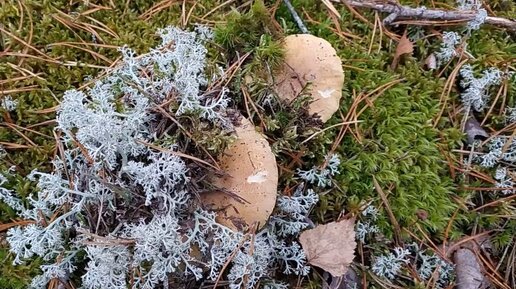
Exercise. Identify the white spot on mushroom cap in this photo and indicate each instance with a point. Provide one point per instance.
(326, 93)
(259, 177)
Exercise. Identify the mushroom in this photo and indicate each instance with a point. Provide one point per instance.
(311, 59)
(251, 174)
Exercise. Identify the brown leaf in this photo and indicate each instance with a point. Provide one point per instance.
(474, 131)
(330, 247)
(405, 46)
(431, 62)
(349, 280)
(469, 270)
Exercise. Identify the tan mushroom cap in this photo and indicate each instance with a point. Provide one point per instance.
(311, 59)
(252, 174)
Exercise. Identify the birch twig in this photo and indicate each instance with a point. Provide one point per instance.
(400, 12)
(296, 17)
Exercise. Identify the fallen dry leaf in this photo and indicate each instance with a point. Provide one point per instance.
(431, 62)
(405, 46)
(474, 131)
(330, 247)
(348, 280)
(469, 270)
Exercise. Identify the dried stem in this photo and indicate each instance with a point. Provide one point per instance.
(296, 17)
(429, 16)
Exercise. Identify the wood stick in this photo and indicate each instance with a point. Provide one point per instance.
(296, 17)
(397, 11)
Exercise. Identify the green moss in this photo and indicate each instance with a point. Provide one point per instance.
(399, 146)
(242, 31)
(14, 277)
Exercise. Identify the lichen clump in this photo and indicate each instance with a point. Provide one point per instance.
(120, 207)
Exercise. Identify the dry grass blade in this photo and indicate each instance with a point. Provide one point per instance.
(373, 34)
(190, 12)
(252, 232)
(491, 272)
(8, 145)
(87, 44)
(389, 34)
(83, 150)
(156, 8)
(21, 89)
(7, 226)
(71, 23)
(46, 110)
(78, 64)
(15, 126)
(103, 241)
(26, 138)
(19, 54)
(501, 91)
(19, 78)
(25, 72)
(358, 15)
(179, 154)
(233, 69)
(351, 116)
(24, 43)
(68, 24)
(331, 8)
(95, 9)
(248, 99)
(43, 123)
(457, 244)
(102, 27)
(230, 258)
(95, 55)
(445, 95)
(31, 30)
(392, 218)
(101, 74)
(217, 8)
(377, 92)
(328, 128)
(344, 35)
(496, 202)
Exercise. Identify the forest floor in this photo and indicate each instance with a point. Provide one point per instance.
(428, 161)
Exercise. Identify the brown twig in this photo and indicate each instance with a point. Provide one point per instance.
(397, 230)
(6, 226)
(425, 15)
(179, 154)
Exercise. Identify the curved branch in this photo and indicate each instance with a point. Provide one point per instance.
(397, 12)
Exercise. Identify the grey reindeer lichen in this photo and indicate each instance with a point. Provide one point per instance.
(106, 166)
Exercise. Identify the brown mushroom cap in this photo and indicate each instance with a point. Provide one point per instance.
(251, 174)
(311, 59)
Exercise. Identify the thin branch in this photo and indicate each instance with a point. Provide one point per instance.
(398, 12)
(296, 17)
